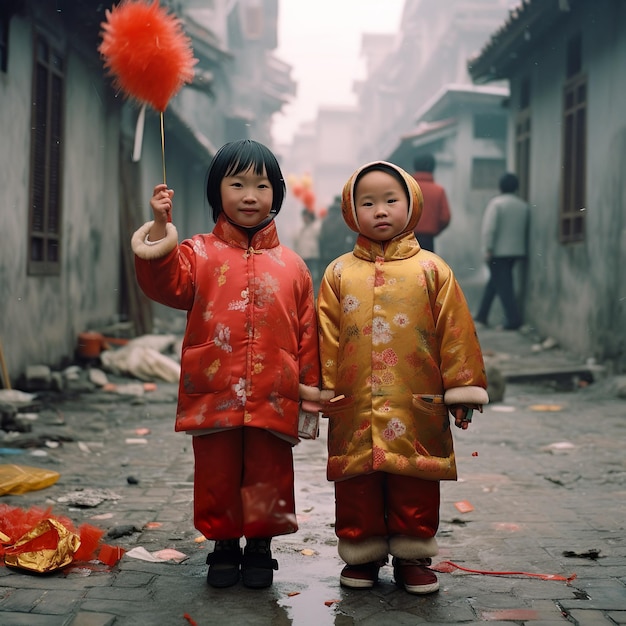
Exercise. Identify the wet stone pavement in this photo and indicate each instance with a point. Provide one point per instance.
(544, 472)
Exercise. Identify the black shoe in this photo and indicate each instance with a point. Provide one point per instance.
(257, 564)
(224, 563)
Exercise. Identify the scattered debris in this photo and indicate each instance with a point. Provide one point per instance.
(135, 441)
(463, 506)
(37, 541)
(142, 358)
(516, 615)
(507, 526)
(110, 555)
(87, 497)
(592, 554)
(547, 344)
(123, 530)
(546, 407)
(18, 479)
(447, 567)
(559, 446)
(160, 556)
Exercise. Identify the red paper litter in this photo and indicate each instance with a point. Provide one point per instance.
(16, 522)
(447, 567)
(110, 555)
(463, 506)
(146, 51)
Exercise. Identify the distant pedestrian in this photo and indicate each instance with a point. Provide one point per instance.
(399, 351)
(504, 241)
(436, 214)
(307, 243)
(249, 355)
(335, 237)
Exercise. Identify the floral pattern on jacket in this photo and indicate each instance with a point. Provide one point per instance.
(250, 344)
(398, 341)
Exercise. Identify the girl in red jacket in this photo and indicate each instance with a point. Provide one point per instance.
(249, 356)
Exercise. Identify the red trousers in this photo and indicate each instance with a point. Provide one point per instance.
(243, 484)
(384, 505)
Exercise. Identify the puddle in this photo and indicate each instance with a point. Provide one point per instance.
(309, 606)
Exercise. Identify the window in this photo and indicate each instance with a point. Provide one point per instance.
(4, 41)
(573, 185)
(46, 159)
(252, 19)
(522, 139)
(489, 126)
(487, 172)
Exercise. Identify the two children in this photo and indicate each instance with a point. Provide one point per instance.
(398, 350)
(249, 356)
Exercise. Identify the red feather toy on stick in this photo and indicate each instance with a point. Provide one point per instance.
(148, 54)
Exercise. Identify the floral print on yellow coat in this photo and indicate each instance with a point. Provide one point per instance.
(398, 341)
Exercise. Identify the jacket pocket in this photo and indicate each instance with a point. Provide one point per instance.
(431, 404)
(343, 406)
(205, 368)
(287, 378)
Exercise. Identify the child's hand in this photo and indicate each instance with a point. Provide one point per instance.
(462, 414)
(161, 203)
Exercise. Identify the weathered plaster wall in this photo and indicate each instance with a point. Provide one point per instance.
(576, 291)
(42, 315)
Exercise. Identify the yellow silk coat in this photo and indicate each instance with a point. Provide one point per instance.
(395, 327)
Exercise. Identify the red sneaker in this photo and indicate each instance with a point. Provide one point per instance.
(363, 576)
(414, 575)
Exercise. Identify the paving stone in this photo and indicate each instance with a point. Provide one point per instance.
(531, 504)
(92, 619)
(589, 617)
(30, 619)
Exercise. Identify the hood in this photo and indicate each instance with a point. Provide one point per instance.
(416, 201)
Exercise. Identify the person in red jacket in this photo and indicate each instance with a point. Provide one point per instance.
(436, 214)
(249, 357)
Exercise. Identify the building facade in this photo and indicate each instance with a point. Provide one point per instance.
(564, 61)
(74, 185)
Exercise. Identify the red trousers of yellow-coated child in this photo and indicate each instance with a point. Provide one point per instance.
(243, 484)
(385, 505)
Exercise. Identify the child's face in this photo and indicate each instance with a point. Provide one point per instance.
(381, 206)
(247, 197)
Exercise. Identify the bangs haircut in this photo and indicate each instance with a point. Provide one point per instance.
(387, 169)
(236, 157)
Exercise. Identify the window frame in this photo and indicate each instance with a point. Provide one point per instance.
(5, 18)
(46, 157)
(523, 139)
(572, 214)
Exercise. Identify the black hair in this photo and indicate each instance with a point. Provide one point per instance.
(424, 162)
(236, 157)
(508, 183)
(383, 167)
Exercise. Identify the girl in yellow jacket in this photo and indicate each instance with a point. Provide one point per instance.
(398, 350)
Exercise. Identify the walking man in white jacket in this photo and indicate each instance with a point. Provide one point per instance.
(504, 241)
